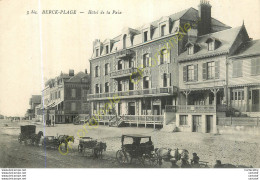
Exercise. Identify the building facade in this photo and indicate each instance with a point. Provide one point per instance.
(35, 100)
(140, 67)
(244, 75)
(65, 97)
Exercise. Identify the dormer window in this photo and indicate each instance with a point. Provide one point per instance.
(145, 36)
(97, 52)
(213, 43)
(163, 28)
(190, 50)
(211, 46)
(107, 49)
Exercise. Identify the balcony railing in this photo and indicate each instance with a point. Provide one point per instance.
(137, 119)
(124, 73)
(142, 92)
(124, 53)
(196, 109)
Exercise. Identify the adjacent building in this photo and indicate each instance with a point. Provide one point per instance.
(244, 78)
(65, 97)
(34, 101)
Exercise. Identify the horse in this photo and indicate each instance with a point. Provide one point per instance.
(36, 138)
(168, 154)
(99, 148)
(65, 139)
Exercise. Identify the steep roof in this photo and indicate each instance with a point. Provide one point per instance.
(78, 77)
(226, 38)
(249, 48)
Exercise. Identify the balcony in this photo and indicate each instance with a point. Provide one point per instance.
(165, 91)
(125, 53)
(134, 119)
(196, 109)
(123, 73)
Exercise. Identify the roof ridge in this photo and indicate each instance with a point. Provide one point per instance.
(221, 31)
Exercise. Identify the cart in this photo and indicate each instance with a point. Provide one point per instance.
(27, 134)
(141, 148)
(88, 143)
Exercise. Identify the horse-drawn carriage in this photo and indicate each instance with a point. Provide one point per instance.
(96, 147)
(28, 135)
(137, 147)
(56, 142)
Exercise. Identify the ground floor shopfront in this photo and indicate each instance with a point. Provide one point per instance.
(245, 98)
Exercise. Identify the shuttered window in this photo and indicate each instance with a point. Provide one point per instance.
(210, 70)
(190, 73)
(237, 69)
(255, 66)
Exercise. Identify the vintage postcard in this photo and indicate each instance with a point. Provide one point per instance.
(129, 84)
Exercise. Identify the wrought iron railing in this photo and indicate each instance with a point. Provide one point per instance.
(151, 91)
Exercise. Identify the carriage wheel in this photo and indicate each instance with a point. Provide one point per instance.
(149, 160)
(121, 157)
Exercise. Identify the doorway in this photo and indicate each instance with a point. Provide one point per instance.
(156, 110)
(131, 108)
(196, 123)
(209, 123)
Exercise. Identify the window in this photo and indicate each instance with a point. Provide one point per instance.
(107, 49)
(97, 52)
(190, 74)
(237, 68)
(73, 93)
(163, 27)
(145, 36)
(73, 106)
(131, 85)
(235, 95)
(164, 80)
(106, 68)
(59, 94)
(119, 85)
(146, 82)
(183, 120)
(97, 71)
(107, 87)
(164, 56)
(191, 50)
(97, 88)
(146, 60)
(211, 46)
(120, 64)
(131, 63)
(211, 70)
(255, 66)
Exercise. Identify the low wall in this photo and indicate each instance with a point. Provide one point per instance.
(250, 130)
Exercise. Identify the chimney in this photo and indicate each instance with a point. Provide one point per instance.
(86, 71)
(71, 72)
(204, 25)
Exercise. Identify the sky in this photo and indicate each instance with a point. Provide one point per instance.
(36, 47)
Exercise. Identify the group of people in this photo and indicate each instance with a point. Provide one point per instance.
(185, 162)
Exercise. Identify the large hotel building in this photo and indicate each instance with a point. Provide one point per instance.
(173, 71)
